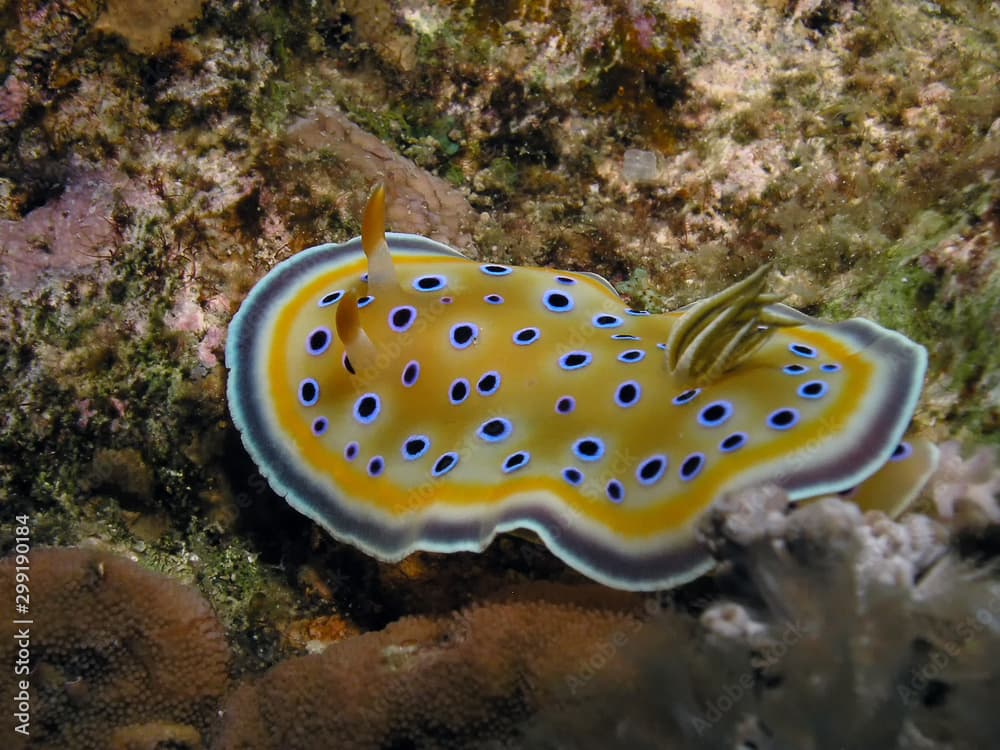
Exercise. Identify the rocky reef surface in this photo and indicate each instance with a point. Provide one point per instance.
(157, 159)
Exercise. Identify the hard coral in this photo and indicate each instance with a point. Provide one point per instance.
(121, 657)
(426, 682)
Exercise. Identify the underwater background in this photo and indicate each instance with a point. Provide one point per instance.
(157, 159)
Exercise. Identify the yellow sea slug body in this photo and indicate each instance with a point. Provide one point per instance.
(408, 398)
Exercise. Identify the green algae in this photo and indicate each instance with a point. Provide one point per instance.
(955, 314)
(115, 475)
(640, 292)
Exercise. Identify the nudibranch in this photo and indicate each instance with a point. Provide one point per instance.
(407, 398)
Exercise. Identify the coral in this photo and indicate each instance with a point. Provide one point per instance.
(967, 489)
(46, 33)
(374, 21)
(822, 613)
(427, 682)
(121, 657)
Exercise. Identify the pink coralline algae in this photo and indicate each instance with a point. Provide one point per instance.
(67, 234)
(13, 100)
(210, 345)
(207, 321)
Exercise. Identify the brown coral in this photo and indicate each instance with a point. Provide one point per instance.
(121, 657)
(426, 682)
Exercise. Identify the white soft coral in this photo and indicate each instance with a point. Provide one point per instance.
(967, 488)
